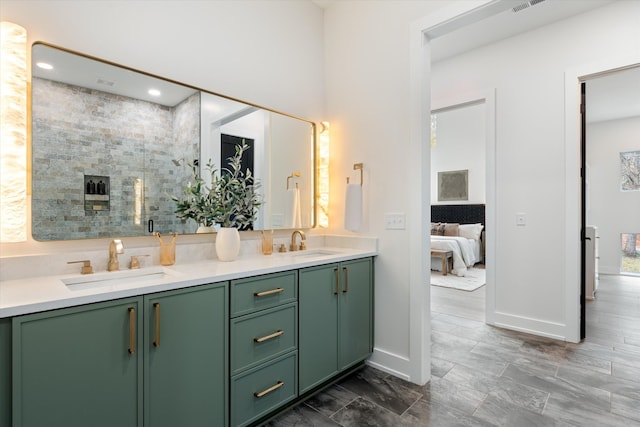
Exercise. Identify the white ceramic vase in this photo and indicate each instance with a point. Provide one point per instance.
(203, 229)
(228, 244)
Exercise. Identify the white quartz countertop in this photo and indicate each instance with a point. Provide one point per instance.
(30, 295)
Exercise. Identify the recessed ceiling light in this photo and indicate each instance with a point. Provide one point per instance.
(154, 92)
(44, 66)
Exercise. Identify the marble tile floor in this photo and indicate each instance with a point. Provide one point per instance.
(486, 376)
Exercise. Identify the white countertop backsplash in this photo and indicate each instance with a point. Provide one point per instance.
(34, 283)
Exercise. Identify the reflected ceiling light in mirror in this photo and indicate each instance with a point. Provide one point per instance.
(154, 92)
(44, 66)
(13, 137)
(323, 175)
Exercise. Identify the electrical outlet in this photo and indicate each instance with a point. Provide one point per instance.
(394, 221)
(521, 219)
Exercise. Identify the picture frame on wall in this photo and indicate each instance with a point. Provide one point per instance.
(453, 185)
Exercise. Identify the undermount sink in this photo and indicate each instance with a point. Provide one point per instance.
(312, 253)
(124, 277)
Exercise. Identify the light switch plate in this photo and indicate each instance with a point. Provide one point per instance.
(394, 221)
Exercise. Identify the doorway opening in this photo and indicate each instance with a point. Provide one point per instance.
(610, 124)
(458, 197)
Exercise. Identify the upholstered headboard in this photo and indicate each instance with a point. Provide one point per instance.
(461, 214)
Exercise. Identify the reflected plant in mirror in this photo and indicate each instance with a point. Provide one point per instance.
(231, 200)
(94, 121)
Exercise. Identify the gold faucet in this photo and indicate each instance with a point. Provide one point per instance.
(293, 246)
(115, 248)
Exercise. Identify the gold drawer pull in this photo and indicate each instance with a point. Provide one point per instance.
(268, 337)
(271, 292)
(156, 309)
(346, 279)
(269, 390)
(132, 330)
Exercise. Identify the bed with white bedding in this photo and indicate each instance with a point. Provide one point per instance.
(466, 252)
(459, 229)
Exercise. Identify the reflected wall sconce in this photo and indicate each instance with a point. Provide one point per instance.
(434, 130)
(13, 136)
(323, 175)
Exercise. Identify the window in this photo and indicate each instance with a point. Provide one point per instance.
(630, 253)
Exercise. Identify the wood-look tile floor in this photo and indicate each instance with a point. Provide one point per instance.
(486, 376)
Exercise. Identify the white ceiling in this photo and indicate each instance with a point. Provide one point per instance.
(614, 96)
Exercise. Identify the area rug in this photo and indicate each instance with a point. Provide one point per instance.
(474, 279)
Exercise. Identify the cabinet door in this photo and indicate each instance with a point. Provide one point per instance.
(356, 308)
(318, 325)
(79, 366)
(185, 357)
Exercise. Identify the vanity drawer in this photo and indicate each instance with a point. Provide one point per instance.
(261, 390)
(260, 336)
(257, 293)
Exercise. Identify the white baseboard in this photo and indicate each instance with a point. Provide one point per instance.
(390, 363)
(532, 326)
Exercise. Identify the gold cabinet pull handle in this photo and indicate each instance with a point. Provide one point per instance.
(271, 292)
(156, 310)
(269, 390)
(268, 337)
(337, 281)
(132, 330)
(346, 279)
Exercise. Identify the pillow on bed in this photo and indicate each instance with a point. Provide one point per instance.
(451, 229)
(437, 229)
(470, 231)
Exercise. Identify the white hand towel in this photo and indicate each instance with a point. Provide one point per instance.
(293, 215)
(353, 207)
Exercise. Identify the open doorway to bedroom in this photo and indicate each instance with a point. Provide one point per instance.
(458, 199)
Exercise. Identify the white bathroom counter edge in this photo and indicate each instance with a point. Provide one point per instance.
(31, 295)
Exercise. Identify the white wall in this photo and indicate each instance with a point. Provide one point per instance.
(367, 59)
(265, 52)
(611, 210)
(528, 73)
(461, 145)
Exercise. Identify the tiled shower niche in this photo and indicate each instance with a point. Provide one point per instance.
(96, 193)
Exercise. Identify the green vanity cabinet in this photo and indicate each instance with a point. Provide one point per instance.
(335, 320)
(5, 372)
(185, 357)
(79, 366)
(264, 344)
(154, 360)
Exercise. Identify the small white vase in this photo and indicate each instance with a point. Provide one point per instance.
(228, 244)
(203, 229)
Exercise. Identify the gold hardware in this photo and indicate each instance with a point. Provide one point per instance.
(269, 390)
(132, 330)
(346, 279)
(282, 248)
(303, 246)
(360, 167)
(135, 262)
(115, 248)
(156, 310)
(268, 337)
(293, 246)
(337, 281)
(295, 174)
(86, 266)
(265, 293)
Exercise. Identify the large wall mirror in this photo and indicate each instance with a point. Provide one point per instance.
(112, 145)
